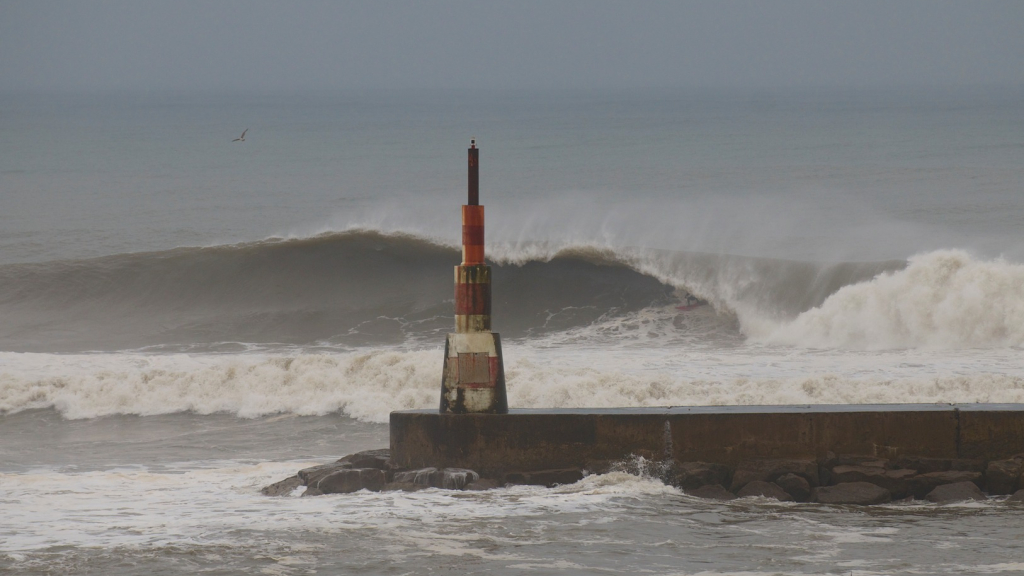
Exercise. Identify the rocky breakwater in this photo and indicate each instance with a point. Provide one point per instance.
(842, 479)
(372, 470)
(854, 479)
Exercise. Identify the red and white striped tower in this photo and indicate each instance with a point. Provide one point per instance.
(474, 376)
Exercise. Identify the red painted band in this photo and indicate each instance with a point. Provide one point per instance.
(473, 299)
(472, 235)
(472, 255)
(472, 215)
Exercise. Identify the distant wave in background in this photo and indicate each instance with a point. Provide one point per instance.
(364, 287)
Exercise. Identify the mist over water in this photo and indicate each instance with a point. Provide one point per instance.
(184, 319)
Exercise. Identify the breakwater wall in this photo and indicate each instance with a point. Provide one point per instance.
(493, 444)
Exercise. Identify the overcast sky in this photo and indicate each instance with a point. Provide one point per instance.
(251, 45)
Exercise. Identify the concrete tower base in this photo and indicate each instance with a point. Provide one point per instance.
(473, 379)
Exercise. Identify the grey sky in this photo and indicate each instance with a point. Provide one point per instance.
(529, 44)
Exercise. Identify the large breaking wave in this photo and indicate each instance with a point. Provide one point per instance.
(943, 299)
(363, 287)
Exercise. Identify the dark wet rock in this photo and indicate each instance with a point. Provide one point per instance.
(561, 476)
(931, 465)
(282, 488)
(368, 459)
(311, 476)
(600, 466)
(1017, 498)
(690, 475)
(922, 484)
(897, 482)
(1003, 476)
(859, 493)
(549, 478)
(711, 492)
(859, 460)
(349, 480)
(402, 487)
(769, 470)
(765, 489)
(453, 478)
(447, 478)
(795, 486)
(956, 492)
(419, 476)
(824, 475)
(483, 484)
(312, 491)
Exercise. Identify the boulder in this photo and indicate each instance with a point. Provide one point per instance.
(483, 484)
(711, 492)
(769, 470)
(547, 478)
(860, 493)
(955, 492)
(419, 476)
(447, 478)
(311, 476)
(795, 486)
(312, 491)
(1017, 498)
(453, 478)
(368, 459)
(765, 489)
(282, 488)
(1003, 476)
(895, 481)
(349, 480)
(922, 484)
(690, 475)
(930, 465)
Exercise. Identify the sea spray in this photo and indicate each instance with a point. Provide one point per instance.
(944, 299)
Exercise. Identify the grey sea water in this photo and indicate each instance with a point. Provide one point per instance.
(184, 319)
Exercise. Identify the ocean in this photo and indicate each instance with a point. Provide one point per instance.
(185, 319)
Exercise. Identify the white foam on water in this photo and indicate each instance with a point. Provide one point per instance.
(206, 502)
(369, 385)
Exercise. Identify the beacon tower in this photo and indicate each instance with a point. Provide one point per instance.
(473, 379)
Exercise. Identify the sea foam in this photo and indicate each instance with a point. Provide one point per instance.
(369, 385)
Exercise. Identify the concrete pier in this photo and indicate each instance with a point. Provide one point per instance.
(543, 439)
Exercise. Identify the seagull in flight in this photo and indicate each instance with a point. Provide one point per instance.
(242, 137)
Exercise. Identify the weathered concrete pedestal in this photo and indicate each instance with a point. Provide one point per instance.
(474, 377)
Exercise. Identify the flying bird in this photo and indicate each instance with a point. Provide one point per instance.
(242, 137)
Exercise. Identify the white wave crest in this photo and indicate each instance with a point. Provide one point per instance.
(944, 299)
(368, 386)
